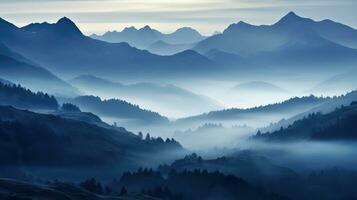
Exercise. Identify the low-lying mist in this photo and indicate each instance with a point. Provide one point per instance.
(307, 155)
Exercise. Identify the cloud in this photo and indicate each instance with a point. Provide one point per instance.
(206, 15)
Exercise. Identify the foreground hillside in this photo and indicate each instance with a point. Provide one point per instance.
(11, 189)
(31, 140)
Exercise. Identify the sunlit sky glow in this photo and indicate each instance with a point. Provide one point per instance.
(207, 16)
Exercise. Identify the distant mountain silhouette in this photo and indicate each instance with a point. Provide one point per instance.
(258, 86)
(340, 124)
(226, 59)
(64, 50)
(144, 37)
(337, 84)
(166, 99)
(18, 69)
(8, 52)
(293, 40)
(163, 48)
(139, 38)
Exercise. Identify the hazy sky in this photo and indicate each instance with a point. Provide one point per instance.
(97, 16)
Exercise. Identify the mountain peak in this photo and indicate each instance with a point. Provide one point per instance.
(5, 24)
(187, 30)
(146, 28)
(238, 26)
(291, 17)
(131, 28)
(243, 24)
(68, 26)
(291, 14)
(65, 20)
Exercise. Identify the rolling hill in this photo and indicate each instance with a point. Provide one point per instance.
(31, 140)
(337, 84)
(257, 86)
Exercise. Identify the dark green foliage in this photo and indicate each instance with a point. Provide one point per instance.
(194, 184)
(68, 107)
(92, 185)
(19, 97)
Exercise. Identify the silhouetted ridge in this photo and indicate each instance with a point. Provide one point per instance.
(187, 30)
(4, 23)
(340, 124)
(189, 185)
(68, 26)
(292, 19)
(146, 28)
(117, 108)
(19, 97)
(49, 140)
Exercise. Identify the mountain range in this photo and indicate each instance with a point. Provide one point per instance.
(63, 49)
(292, 41)
(294, 44)
(145, 37)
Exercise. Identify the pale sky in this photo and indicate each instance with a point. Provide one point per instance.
(207, 16)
